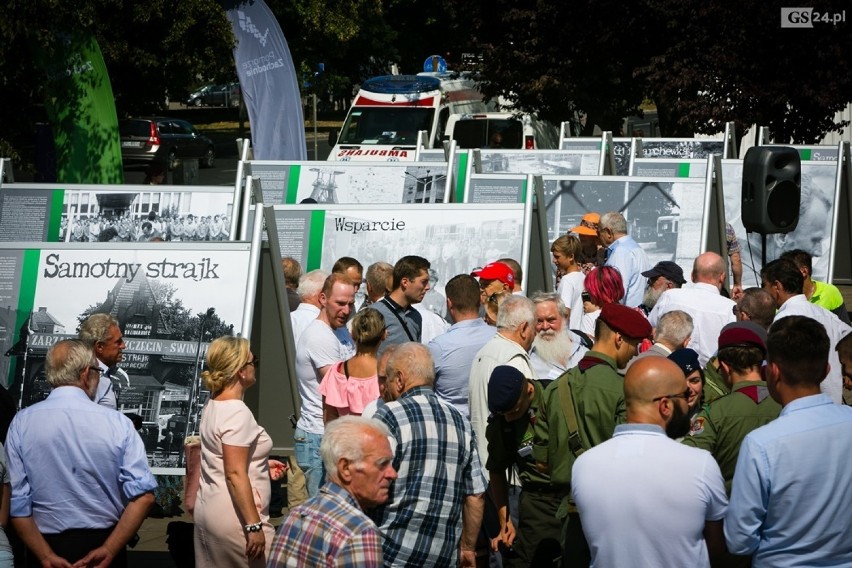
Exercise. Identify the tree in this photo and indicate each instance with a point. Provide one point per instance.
(723, 61)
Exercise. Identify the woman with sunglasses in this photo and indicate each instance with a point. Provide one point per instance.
(232, 507)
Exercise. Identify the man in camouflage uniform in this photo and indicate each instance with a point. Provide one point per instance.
(536, 541)
(723, 424)
(593, 394)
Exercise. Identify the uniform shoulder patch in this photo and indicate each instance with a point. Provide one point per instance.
(697, 426)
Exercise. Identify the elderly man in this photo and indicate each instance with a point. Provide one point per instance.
(664, 276)
(324, 342)
(790, 500)
(511, 346)
(625, 254)
(310, 286)
(81, 486)
(703, 301)
(455, 350)
(332, 528)
(555, 348)
(672, 333)
(721, 426)
(496, 281)
(378, 280)
(409, 286)
(580, 410)
(785, 284)
(670, 512)
(435, 509)
(514, 401)
(102, 333)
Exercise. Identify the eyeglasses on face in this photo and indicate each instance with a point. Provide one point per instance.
(684, 395)
(96, 369)
(253, 362)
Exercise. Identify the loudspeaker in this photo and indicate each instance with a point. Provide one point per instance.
(772, 189)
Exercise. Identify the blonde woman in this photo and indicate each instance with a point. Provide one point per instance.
(232, 508)
(566, 251)
(351, 385)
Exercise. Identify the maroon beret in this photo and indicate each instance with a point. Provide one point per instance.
(743, 334)
(626, 321)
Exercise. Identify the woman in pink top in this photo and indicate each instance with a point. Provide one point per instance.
(232, 507)
(350, 385)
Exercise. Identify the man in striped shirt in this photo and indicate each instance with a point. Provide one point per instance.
(435, 509)
(331, 529)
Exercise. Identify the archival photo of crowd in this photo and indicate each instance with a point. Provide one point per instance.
(541, 162)
(169, 305)
(149, 216)
(817, 220)
(351, 182)
(666, 216)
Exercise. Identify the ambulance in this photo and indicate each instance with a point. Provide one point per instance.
(389, 111)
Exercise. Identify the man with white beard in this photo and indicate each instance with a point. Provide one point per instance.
(555, 348)
(664, 276)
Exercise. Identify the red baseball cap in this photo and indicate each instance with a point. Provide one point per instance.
(496, 271)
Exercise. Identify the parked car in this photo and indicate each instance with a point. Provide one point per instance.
(163, 139)
(216, 95)
(194, 99)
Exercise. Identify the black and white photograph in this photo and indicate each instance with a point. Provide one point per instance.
(681, 148)
(351, 183)
(666, 216)
(541, 162)
(169, 304)
(165, 214)
(817, 219)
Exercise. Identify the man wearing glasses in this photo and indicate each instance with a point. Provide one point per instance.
(642, 497)
(81, 485)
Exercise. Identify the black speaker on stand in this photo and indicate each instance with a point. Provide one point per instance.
(771, 191)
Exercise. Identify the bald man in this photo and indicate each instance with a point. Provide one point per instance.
(703, 301)
(643, 495)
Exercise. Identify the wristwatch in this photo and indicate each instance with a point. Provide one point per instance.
(254, 527)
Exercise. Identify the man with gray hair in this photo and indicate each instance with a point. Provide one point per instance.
(332, 526)
(673, 332)
(81, 485)
(102, 333)
(703, 301)
(433, 515)
(378, 278)
(555, 348)
(310, 286)
(625, 254)
(511, 346)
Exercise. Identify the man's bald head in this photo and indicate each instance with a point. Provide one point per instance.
(652, 378)
(709, 268)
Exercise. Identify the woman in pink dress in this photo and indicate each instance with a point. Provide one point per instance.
(232, 507)
(350, 385)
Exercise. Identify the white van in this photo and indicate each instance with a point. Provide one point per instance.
(501, 130)
(389, 111)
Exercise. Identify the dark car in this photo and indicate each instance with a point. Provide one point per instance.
(165, 140)
(216, 95)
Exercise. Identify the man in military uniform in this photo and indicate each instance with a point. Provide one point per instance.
(513, 401)
(580, 410)
(723, 424)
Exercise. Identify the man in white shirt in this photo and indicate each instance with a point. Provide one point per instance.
(324, 342)
(555, 348)
(310, 286)
(643, 498)
(784, 282)
(703, 301)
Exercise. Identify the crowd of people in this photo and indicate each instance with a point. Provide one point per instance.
(635, 417)
(128, 228)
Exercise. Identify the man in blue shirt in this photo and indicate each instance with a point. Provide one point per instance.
(81, 485)
(455, 350)
(625, 254)
(790, 500)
